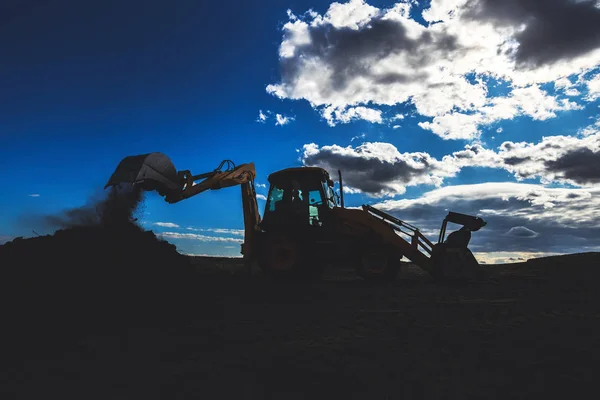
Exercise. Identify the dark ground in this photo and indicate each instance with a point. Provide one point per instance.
(216, 334)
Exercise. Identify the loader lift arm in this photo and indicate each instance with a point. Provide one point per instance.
(413, 244)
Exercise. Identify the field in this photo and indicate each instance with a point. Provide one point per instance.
(533, 330)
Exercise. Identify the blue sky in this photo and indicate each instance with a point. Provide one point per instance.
(416, 102)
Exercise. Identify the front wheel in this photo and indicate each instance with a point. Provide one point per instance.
(374, 265)
(283, 257)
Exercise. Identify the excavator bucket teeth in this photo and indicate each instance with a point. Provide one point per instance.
(153, 171)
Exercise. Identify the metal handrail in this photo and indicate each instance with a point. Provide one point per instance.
(417, 238)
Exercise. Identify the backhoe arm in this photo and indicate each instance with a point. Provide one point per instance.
(155, 171)
(217, 179)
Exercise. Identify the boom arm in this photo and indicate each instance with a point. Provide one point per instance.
(155, 171)
(242, 175)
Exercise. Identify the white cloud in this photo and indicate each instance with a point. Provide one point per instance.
(282, 120)
(572, 92)
(344, 115)
(261, 197)
(562, 83)
(356, 57)
(354, 14)
(194, 236)
(361, 136)
(166, 224)
(34, 195)
(530, 101)
(260, 185)
(522, 232)
(593, 129)
(223, 231)
(262, 117)
(593, 87)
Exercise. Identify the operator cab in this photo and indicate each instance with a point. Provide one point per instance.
(298, 198)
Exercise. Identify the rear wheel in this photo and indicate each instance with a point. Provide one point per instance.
(377, 265)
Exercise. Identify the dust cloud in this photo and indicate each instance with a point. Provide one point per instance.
(116, 207)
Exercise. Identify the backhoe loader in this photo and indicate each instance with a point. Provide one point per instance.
(305, 224)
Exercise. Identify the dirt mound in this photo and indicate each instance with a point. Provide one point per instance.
(568, 259)
(91, 252)
(100, 270)
(101, 256)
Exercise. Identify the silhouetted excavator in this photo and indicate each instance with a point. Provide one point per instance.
(306, 226)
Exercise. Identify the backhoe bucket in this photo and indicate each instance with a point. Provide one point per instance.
(153, 171)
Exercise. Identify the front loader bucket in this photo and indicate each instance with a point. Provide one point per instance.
(153, 171)
(455, 264)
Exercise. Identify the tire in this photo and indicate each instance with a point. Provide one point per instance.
(377, 265)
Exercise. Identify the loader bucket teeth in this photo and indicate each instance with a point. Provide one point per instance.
(153, 171)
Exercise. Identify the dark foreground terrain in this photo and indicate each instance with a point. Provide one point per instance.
(212, 333)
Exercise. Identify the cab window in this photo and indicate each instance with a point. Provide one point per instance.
(275, 195)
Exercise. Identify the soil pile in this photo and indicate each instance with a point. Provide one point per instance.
(101, 262)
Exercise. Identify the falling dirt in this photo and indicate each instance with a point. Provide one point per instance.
(115, 207)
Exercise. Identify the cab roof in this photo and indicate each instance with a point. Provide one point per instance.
(299, 173)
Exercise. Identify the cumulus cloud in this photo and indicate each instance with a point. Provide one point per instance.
(546, 31)
(564, 159)
(592, 129)
(530, 101)
(557, 220)
(335, 115)
(261, 197)
(166, 224)
(379, 169)
(593, 87)
(355, 58)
